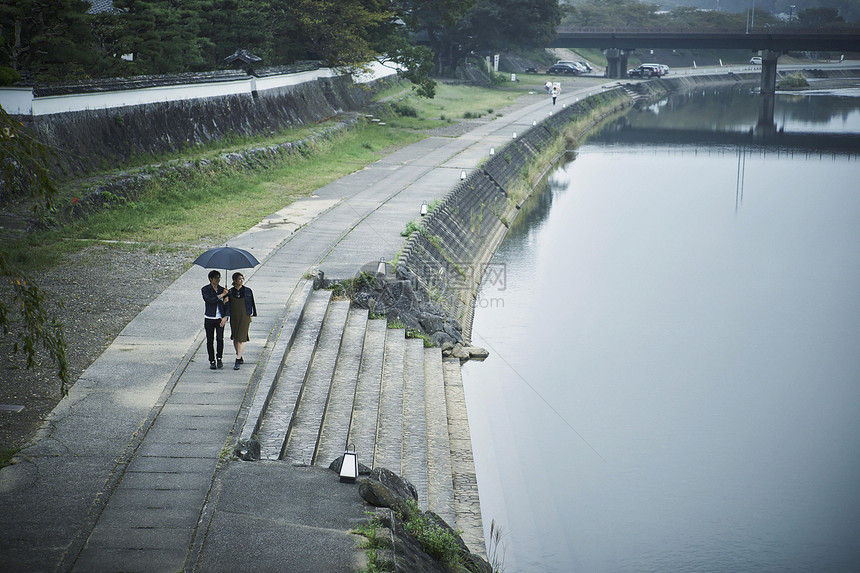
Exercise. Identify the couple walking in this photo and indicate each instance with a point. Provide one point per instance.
(237, 303)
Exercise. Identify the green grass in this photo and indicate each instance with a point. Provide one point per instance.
(439, 542)
(451, 103)
(6, 455)
(209, 207)
(374, 544)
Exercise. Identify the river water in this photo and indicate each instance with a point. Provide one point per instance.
(674, 328)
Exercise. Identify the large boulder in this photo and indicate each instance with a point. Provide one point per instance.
(384, 488)
(400, 300)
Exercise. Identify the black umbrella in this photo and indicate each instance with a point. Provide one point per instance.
(226, 258)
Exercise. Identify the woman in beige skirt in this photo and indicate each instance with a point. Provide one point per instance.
(242, 308)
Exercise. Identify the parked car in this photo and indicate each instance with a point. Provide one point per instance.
(664, 69)
(531, 70)
(755, 60)
(563, 69)
(578, 65)
(645, 71)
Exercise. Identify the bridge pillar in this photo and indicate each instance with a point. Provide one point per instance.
(768, 71)
(765, 127)
(616, 63)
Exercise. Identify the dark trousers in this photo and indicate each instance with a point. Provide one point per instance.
(214, 331)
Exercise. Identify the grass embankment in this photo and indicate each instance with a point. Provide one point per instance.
(207, 207)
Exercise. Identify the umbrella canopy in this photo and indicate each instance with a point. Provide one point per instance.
(226, 258)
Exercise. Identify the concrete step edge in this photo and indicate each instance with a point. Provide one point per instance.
(265, 384)
(281, 408)
(467, 503)
(389, 425)
(414, 438)
(365, 412)
(337, 418)
(302, 439)
(440, 485)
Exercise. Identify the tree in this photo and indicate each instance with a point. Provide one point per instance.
(503, 25)
(47, 39)
(24, 176)
(817, 17)
(163, 35)
(435, 20)
(254, 25)
(611, 14)
(342, 31)
(349, 34)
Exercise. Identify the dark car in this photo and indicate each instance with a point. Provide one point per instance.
(645, 71)
(563, 69)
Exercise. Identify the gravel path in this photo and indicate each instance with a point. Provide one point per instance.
(101, 289)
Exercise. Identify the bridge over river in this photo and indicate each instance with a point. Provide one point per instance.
(619, 43)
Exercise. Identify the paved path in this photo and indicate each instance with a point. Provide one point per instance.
(129, 470)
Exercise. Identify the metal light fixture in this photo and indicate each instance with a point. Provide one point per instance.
(380, 268)
(349, 465)
(423, 208)
(463, 175)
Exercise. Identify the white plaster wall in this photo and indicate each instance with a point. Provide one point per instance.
(47, 105)
(20, 101)
(17, 101)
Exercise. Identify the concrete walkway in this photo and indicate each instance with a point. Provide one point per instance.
(131, 467)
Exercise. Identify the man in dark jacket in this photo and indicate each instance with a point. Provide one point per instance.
(214, 318)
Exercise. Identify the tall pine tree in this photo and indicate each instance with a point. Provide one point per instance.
(164, 36)
(47, 39)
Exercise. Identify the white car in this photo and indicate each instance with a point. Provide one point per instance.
(755, 60)
(664, 69)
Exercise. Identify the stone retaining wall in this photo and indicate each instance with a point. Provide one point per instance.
(449, 256)
(108, 138)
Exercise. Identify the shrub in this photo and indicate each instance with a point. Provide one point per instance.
(411, 227)
(793, 81)
(404, 109)
(8, 76)
(440, 543)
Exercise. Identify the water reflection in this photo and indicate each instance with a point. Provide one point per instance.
(742, 118)
(673, 380)
(738, 109)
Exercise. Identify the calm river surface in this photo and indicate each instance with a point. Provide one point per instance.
(674, 378)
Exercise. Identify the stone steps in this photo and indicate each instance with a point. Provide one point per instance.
(347, 379)
(278, 416)
(303, 438)
(338, 412)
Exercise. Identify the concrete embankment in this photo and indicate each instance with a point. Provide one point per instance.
(448, 257)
